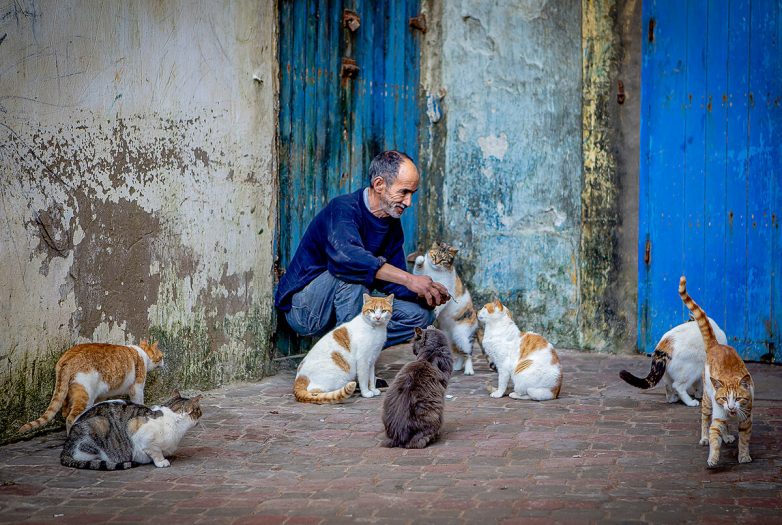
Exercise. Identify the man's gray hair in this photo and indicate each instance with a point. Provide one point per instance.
(386, 165)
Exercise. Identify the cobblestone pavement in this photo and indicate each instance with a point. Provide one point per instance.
(603, 452)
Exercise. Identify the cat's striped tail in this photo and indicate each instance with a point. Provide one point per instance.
(58, 398)
(660, 360)
(700, 316)
(96, 464)
(303, 395)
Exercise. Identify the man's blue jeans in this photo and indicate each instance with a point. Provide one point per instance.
(327, 302)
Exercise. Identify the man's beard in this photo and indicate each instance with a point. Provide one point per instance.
(393, 209)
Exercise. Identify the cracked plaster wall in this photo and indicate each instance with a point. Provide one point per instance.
(508, 78)
(137, 188)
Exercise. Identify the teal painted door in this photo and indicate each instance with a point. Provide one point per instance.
(711, 169)
(349, 75)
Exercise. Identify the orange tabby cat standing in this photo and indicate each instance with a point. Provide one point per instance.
(91, 372)
(727, 389)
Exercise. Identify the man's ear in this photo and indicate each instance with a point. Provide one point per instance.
(378, 184)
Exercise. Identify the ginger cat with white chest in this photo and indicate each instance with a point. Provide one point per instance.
(92, 372)
(728, 390)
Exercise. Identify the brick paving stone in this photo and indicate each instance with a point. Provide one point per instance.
(604, 452)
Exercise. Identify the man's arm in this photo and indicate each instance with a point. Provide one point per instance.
(422, 285)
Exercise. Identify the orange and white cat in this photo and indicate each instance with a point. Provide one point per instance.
(526, 358)
(328, 374)
(728, 390)
(92, 372)
(456, 318)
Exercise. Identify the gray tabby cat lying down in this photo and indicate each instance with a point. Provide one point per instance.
(118, 434)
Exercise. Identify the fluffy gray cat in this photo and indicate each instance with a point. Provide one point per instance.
(116, 435)
(415, 401)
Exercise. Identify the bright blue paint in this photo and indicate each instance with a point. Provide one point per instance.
(330, 128)
(715, 165)
(710, 176)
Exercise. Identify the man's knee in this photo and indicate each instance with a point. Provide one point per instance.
(348, 301)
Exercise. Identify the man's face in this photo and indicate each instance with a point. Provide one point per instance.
(397, 197)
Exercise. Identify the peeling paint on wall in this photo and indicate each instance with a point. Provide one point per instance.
(137, 191)
(510, 194)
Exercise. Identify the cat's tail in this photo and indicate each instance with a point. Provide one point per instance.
(707, 332)
(303, 395)
(96, 464)
(58, 398)
(660, 360)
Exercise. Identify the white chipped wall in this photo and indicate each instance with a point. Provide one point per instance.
(137, 178)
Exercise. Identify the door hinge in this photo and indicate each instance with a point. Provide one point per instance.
(648, 252)
(351, 20)
(349, 68)
(418, 22)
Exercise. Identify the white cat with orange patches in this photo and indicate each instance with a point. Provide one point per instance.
(328, 374)
(456, 318)
(526, 358)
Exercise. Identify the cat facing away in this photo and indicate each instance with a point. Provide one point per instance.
(415, 401)
(678, 360)
(526, 358)
(457, 317)
(728, 390)
(348, 353)
(92, 372)
(117, 434)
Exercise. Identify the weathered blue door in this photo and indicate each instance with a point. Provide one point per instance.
(348, 90)
(711, 169)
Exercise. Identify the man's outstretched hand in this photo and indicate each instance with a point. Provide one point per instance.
(434, 293)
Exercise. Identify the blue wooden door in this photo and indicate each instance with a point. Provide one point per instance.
(348, 90)
(349, 74)
(711, 169)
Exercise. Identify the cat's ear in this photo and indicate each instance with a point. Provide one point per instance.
(418, 331)
(390, 299)
(175, 393)
(366, 297)
(435, 245)
(498, 304)
(746, 381)
(452, 250)
(716, 383)
(144, 344)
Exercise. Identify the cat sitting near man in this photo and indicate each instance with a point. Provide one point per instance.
(457, 317)
(117, 434)
(678, 360)
(329, 371)
(728, 390)
(415, 401)
(92, 372)
(526, 358)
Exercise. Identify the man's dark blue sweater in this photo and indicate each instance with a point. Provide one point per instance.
(346, 239)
